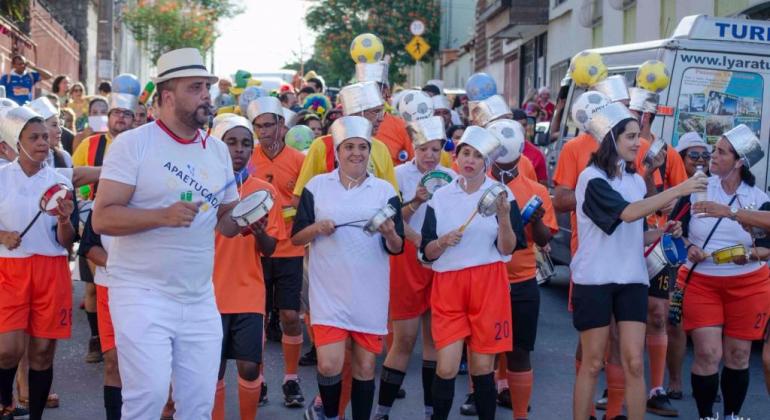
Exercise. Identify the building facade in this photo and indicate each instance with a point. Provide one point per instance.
(527, 44)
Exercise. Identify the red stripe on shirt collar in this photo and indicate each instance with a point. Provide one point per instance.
(182, 140)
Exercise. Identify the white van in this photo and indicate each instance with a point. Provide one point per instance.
(720, 77)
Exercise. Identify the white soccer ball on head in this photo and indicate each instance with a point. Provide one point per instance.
(415, 105)
(585, 106)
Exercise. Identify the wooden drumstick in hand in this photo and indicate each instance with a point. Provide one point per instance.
(470, 219)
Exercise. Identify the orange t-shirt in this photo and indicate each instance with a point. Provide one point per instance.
(573, 159)
(282, 173)
(522, 265)
(239, 284)
(525, 168)
(392, 132)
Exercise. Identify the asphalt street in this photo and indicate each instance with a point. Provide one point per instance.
(80, 385)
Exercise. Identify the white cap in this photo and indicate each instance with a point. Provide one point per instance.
(426, 130)
(372, 72)
(264, 105)
(44, 107)
(348, 127)
(483, 141)
(605, 119)
(746, 144)
(12, 121)
(691, 139)
(441, 102)
(359, 97)
(485, 111)
(183, 62)
(226, 122)
(125, 101)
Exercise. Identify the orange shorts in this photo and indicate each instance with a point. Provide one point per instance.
(325, 334)
(410, 285)
(36, 296)
(106, 331)
(473, 303)
(739, 304)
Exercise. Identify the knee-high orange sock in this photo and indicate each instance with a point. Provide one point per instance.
(248, 397)
(657, 346)
(520, 386)
(292, 346)
(501, 375)
(578, 363)
(219, 402)
(347, 382)
(616, 389)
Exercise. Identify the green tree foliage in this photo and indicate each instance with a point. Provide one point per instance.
(337, 22)
(163, 25)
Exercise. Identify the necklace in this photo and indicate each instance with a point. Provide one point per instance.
(352, 181)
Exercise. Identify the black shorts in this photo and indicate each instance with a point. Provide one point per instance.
(242, 337)
(525, 307)
(283, 280)
(595, 305)
(85, 271)
(661, 284)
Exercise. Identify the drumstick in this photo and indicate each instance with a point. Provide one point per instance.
(679, 215)
(468, 222)
(26, 229)
(249, 169)
(349, 223)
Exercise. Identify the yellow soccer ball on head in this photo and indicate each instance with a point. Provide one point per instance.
(653, 76)
(587, 69)
(366, 48)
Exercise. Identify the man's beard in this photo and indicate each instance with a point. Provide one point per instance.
(195, 119)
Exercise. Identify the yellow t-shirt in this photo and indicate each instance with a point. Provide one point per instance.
(317, 159)
(80, 157)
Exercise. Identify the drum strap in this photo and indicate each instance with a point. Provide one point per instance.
(708, 238)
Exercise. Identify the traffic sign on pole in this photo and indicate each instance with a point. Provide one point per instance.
(417, 27)
(417, 47)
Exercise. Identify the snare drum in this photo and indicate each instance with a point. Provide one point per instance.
(530, 208)
(434, 180)
(49, 199)
(378, 219)
(252, 208)
(656, 261)
(669, 252)
(728, 254)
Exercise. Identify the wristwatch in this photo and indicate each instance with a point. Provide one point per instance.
(733, 213)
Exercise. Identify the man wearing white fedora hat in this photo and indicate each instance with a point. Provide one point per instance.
(165, 187)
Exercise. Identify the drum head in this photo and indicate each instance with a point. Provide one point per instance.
(250, 202)
(434, 180)
(487, 206)
(50, 198)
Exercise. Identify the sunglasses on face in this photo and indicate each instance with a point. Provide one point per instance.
(696, 155)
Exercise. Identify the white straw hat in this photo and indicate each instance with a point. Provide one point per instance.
(184, 62)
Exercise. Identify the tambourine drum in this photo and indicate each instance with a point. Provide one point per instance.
(530, 208)
(434, 180)
(49, 199)
(728, 254)
(545, 270)
(487, 203)
(252, 208)
(669, 252)
(378, 219)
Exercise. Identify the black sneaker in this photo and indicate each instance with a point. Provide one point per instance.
(20, 413)
(401, 394)
(309, 358)
(674, 395)
(292, 394)
(660, 404)
(468, 408)
(504, 399)
(601, 403)
(263, 395)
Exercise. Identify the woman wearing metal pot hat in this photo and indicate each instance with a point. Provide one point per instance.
(348, 266)
(469, 300)
(34, 272)
(727, 295)
(610, 207)
(540, 224)
(410, 281)
(57, 157)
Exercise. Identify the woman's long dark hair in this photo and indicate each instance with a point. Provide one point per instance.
(606, 158)
(746, 175)
(55, 86)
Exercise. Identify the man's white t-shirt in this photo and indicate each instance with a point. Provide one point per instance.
(177, 262)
